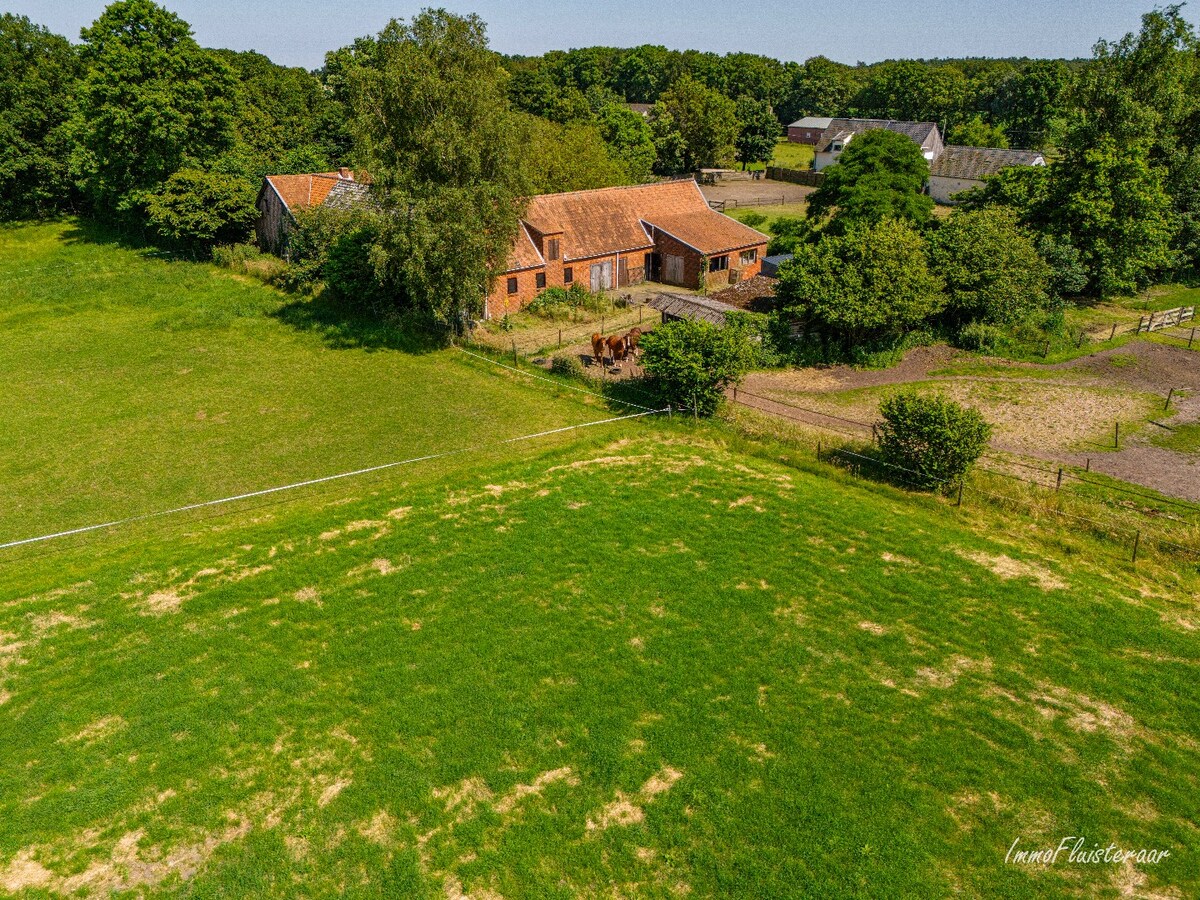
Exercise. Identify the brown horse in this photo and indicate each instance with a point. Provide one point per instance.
(598, 348)
(632, 339)
(617, 348)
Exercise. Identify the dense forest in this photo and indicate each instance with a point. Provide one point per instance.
(139, 127)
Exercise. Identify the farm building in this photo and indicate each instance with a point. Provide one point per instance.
(616, 237)
(840, 132)
(282, 195)
(808, 130)
(959, 169)
(686, 306)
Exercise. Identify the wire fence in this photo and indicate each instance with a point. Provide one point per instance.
(1048, 486)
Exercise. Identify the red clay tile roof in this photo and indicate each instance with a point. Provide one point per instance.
(708, 231)
(525, 254)
(610, 220)
(303, 191)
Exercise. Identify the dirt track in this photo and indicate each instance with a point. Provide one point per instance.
(1037, 431)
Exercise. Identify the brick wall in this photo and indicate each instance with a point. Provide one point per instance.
(693, 261)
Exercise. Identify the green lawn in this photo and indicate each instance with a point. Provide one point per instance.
(642, 660)
(792, 156)
(135, 384)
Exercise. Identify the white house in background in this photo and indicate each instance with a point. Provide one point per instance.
(840, 132)
(958, 169)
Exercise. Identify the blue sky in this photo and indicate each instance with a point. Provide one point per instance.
(298, 32)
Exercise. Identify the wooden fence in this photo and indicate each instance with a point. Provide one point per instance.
(796, 176)
(1168, 318)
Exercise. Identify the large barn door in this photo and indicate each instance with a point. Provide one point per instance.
(623, 272)
(673, 269)
(602, 276)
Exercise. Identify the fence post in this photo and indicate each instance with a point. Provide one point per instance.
(560, 339)
(1058, 484)
(960, 493)
(669, 414)
(1117, 435)
(602, 323)
(1192, 338)
(515, 361)
(1114, 332)
(874, 433)
(735, 393)
(1088, 466)
(1170, 394)
(818, 449)
(1137, 540)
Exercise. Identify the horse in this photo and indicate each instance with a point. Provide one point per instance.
(617, 348)
(631, 340)
(598, 348)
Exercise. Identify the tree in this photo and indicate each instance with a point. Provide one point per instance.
(916, 92)
(975, 132)
(992, 268)
(197, 210)
(819, 88)
(1029, 103)
(441, 143)
(38, 73)
(152, 103)
(1113, 204)
(692, 362)
(880, 174)
(704, 120)
(568, 157)
(758, 131)
(931, 440)
(870, 281)
(628, 136)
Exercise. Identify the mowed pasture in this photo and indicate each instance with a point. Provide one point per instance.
(134, 384)
(646, 659)
(643, 666)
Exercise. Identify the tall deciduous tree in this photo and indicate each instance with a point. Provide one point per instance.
(870, 281)
(992, 268)
(38, 73)
(758, 131)
(628, 135)
(440, 141)
(152, 102)
(701, 121)
(880, 175)
(569, 157)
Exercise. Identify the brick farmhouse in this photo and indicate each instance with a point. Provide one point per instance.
(603, 239)
(616, 237)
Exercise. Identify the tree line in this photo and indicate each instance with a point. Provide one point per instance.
(141, 128)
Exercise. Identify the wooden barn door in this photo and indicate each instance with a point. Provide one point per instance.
(622, 272)
(602, 276)
(673, 269)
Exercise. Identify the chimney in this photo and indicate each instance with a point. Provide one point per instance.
(345, 174)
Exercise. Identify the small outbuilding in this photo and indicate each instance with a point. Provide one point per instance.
(959, 169)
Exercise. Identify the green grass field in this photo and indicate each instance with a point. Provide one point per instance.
(642, 660)
(792, 156)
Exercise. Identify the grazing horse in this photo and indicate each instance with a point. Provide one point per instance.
(617, 348)
(598, 348)
(632, 339)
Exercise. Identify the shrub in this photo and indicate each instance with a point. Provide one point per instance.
(935, 439)
(753, 219)
(691, 362)
(349, 273)
(557, 302)
(980, 337)
(196, 209)
(567, 366)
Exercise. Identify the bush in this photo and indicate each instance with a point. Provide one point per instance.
(936, 440)
(691, 362)
(196, 209)
(559, 303)
(349, 273)
(567, 366)
(753, 219)
(981, 337)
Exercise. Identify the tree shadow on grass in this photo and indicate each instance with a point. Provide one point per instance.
(348, 329)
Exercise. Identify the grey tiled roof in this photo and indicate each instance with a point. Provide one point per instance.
(923, 134)
(348, 195)
(976, 163)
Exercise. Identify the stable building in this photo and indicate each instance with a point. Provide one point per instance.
(616, 237)
(959, 169)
